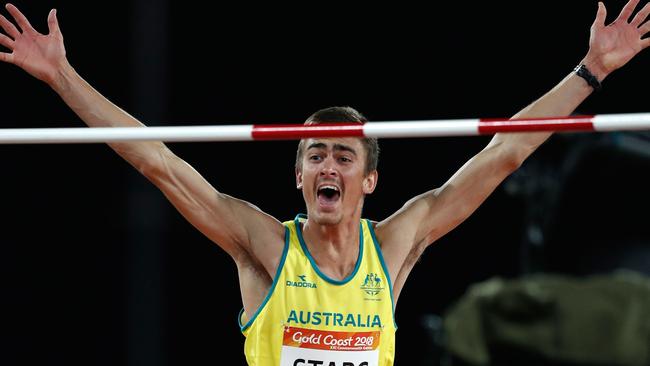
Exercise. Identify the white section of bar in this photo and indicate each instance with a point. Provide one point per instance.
(117, 134)
(620, 122)
(457, 127)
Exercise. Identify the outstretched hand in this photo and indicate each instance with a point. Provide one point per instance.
(40, 55)
(612, 46)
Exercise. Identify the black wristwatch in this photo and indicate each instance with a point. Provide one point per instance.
(584, 73)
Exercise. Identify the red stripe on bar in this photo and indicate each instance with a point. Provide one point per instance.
(295, 132)
(573, 123)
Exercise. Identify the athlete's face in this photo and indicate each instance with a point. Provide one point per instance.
(333, 179)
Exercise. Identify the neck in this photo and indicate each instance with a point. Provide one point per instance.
(335, 248)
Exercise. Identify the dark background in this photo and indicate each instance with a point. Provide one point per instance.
(98, 269)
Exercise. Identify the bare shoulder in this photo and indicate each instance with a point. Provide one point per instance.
(384, 234)
(399, 235)
(401, 228)
(391, 235)
(395, 243)
(266, 239)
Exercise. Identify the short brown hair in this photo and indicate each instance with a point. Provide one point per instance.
(343, 115)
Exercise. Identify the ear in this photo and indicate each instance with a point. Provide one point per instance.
(370, 182)
(298, 178)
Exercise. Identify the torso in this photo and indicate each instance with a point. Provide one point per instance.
(360, 316)
(256, 275)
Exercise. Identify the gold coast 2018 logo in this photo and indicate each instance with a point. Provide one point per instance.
(372, 284)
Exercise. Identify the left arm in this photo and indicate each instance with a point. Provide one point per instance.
(427, 217)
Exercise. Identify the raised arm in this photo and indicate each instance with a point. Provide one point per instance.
(431, 215)
(239, 228)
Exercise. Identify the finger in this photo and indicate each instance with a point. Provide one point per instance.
(6, 41)
(9, 27)
(20, 19)
(627, 10)
(645, 28)
(7, 57)
(641, 16)
(53, 22)
(600, 16)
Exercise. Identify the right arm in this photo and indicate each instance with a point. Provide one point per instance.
(238, 227)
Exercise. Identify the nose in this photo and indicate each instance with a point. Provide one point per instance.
(328, 169)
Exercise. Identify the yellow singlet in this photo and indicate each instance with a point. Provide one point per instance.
(309, 319)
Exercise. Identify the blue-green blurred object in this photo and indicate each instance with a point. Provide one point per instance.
(596, 320)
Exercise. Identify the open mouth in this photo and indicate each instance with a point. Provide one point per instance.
(328, 195)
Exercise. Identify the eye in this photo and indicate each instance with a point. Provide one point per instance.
(314, 157)
(345, 159)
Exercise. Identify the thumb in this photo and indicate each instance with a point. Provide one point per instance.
(53, 23)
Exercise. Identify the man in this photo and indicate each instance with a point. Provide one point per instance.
(321, 289)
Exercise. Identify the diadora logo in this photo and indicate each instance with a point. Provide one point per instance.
(372, 285)
(301, 283)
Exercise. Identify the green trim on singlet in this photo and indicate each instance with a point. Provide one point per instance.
(383, 265)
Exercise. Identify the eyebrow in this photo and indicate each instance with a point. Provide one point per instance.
(337, 147)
